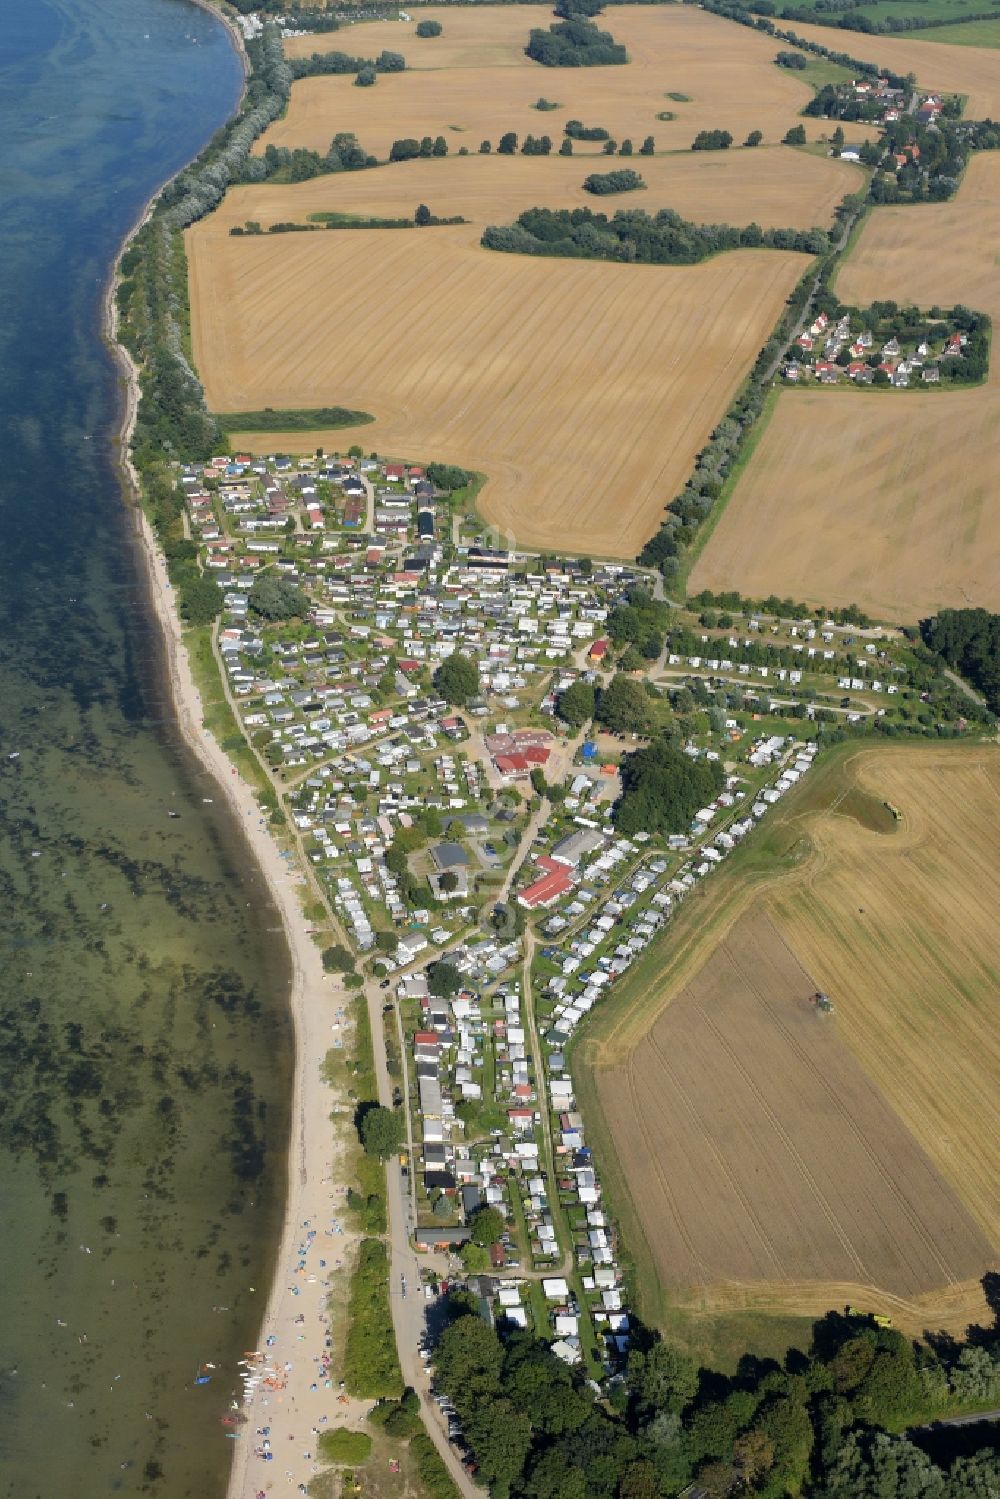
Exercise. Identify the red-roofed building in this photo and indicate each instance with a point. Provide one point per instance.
(555, 882)
(513, 767)
(598, 650)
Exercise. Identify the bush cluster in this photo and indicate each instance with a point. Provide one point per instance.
(634, 236)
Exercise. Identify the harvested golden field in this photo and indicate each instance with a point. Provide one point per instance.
(559, 379)
(773, 186)
(779, 1160)
(728, 73)
(904, 483)
(491, 36)
(942, 252)
(945, 66)
(883, 501)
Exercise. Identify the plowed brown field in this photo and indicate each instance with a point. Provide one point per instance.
(783, 1161)
(973, 71)
(479, 87)
(583, 390)
(887, 501)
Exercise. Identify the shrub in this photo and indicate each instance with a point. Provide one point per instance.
(371, 1368)
(580, 132)
(348, 1448)
(712, 140)
(622, 181)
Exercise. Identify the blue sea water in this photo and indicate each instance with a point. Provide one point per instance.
(144, 1037)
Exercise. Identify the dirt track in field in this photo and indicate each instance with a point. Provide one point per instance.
(783, 1162)
(584, 390)
(482, 85)
(887, 500)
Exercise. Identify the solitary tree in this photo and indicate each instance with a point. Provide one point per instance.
(754, 138)
(566, 149)
(796, 136)
(277, 598)
(337, 959)
(382, 1131)
(508, 144)
(576, 704)
(457, 678)
(648, 146)
(443, 980)
(486, 1226)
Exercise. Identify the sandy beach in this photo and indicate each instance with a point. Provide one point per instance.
(288, 1390)
(287, 1395)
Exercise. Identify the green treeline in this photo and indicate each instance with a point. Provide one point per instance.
(322, 64)
(304, 419)
(813, 1424)
(574, 43)
(969, 641)
(637, 237)
(152, 301)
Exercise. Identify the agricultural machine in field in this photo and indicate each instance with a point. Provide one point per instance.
(823, 1002)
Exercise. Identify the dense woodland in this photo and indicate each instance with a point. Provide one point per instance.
(815, 1423)
(969, 641)
(637, 237)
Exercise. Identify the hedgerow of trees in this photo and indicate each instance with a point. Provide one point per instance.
(634, 236)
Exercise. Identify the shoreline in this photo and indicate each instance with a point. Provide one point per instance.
(317, 1006)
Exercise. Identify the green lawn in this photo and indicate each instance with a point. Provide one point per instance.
(971, 34)
(930, 10)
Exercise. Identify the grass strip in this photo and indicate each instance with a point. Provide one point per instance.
(303, 419)
(371, 1367)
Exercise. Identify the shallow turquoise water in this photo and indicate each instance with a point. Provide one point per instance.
(144, 1042)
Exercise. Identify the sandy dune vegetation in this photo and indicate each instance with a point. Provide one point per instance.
(583, 389)
(953, 69)
(786, 1161)
(886, 500)
(728, 73)
(773, 186)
